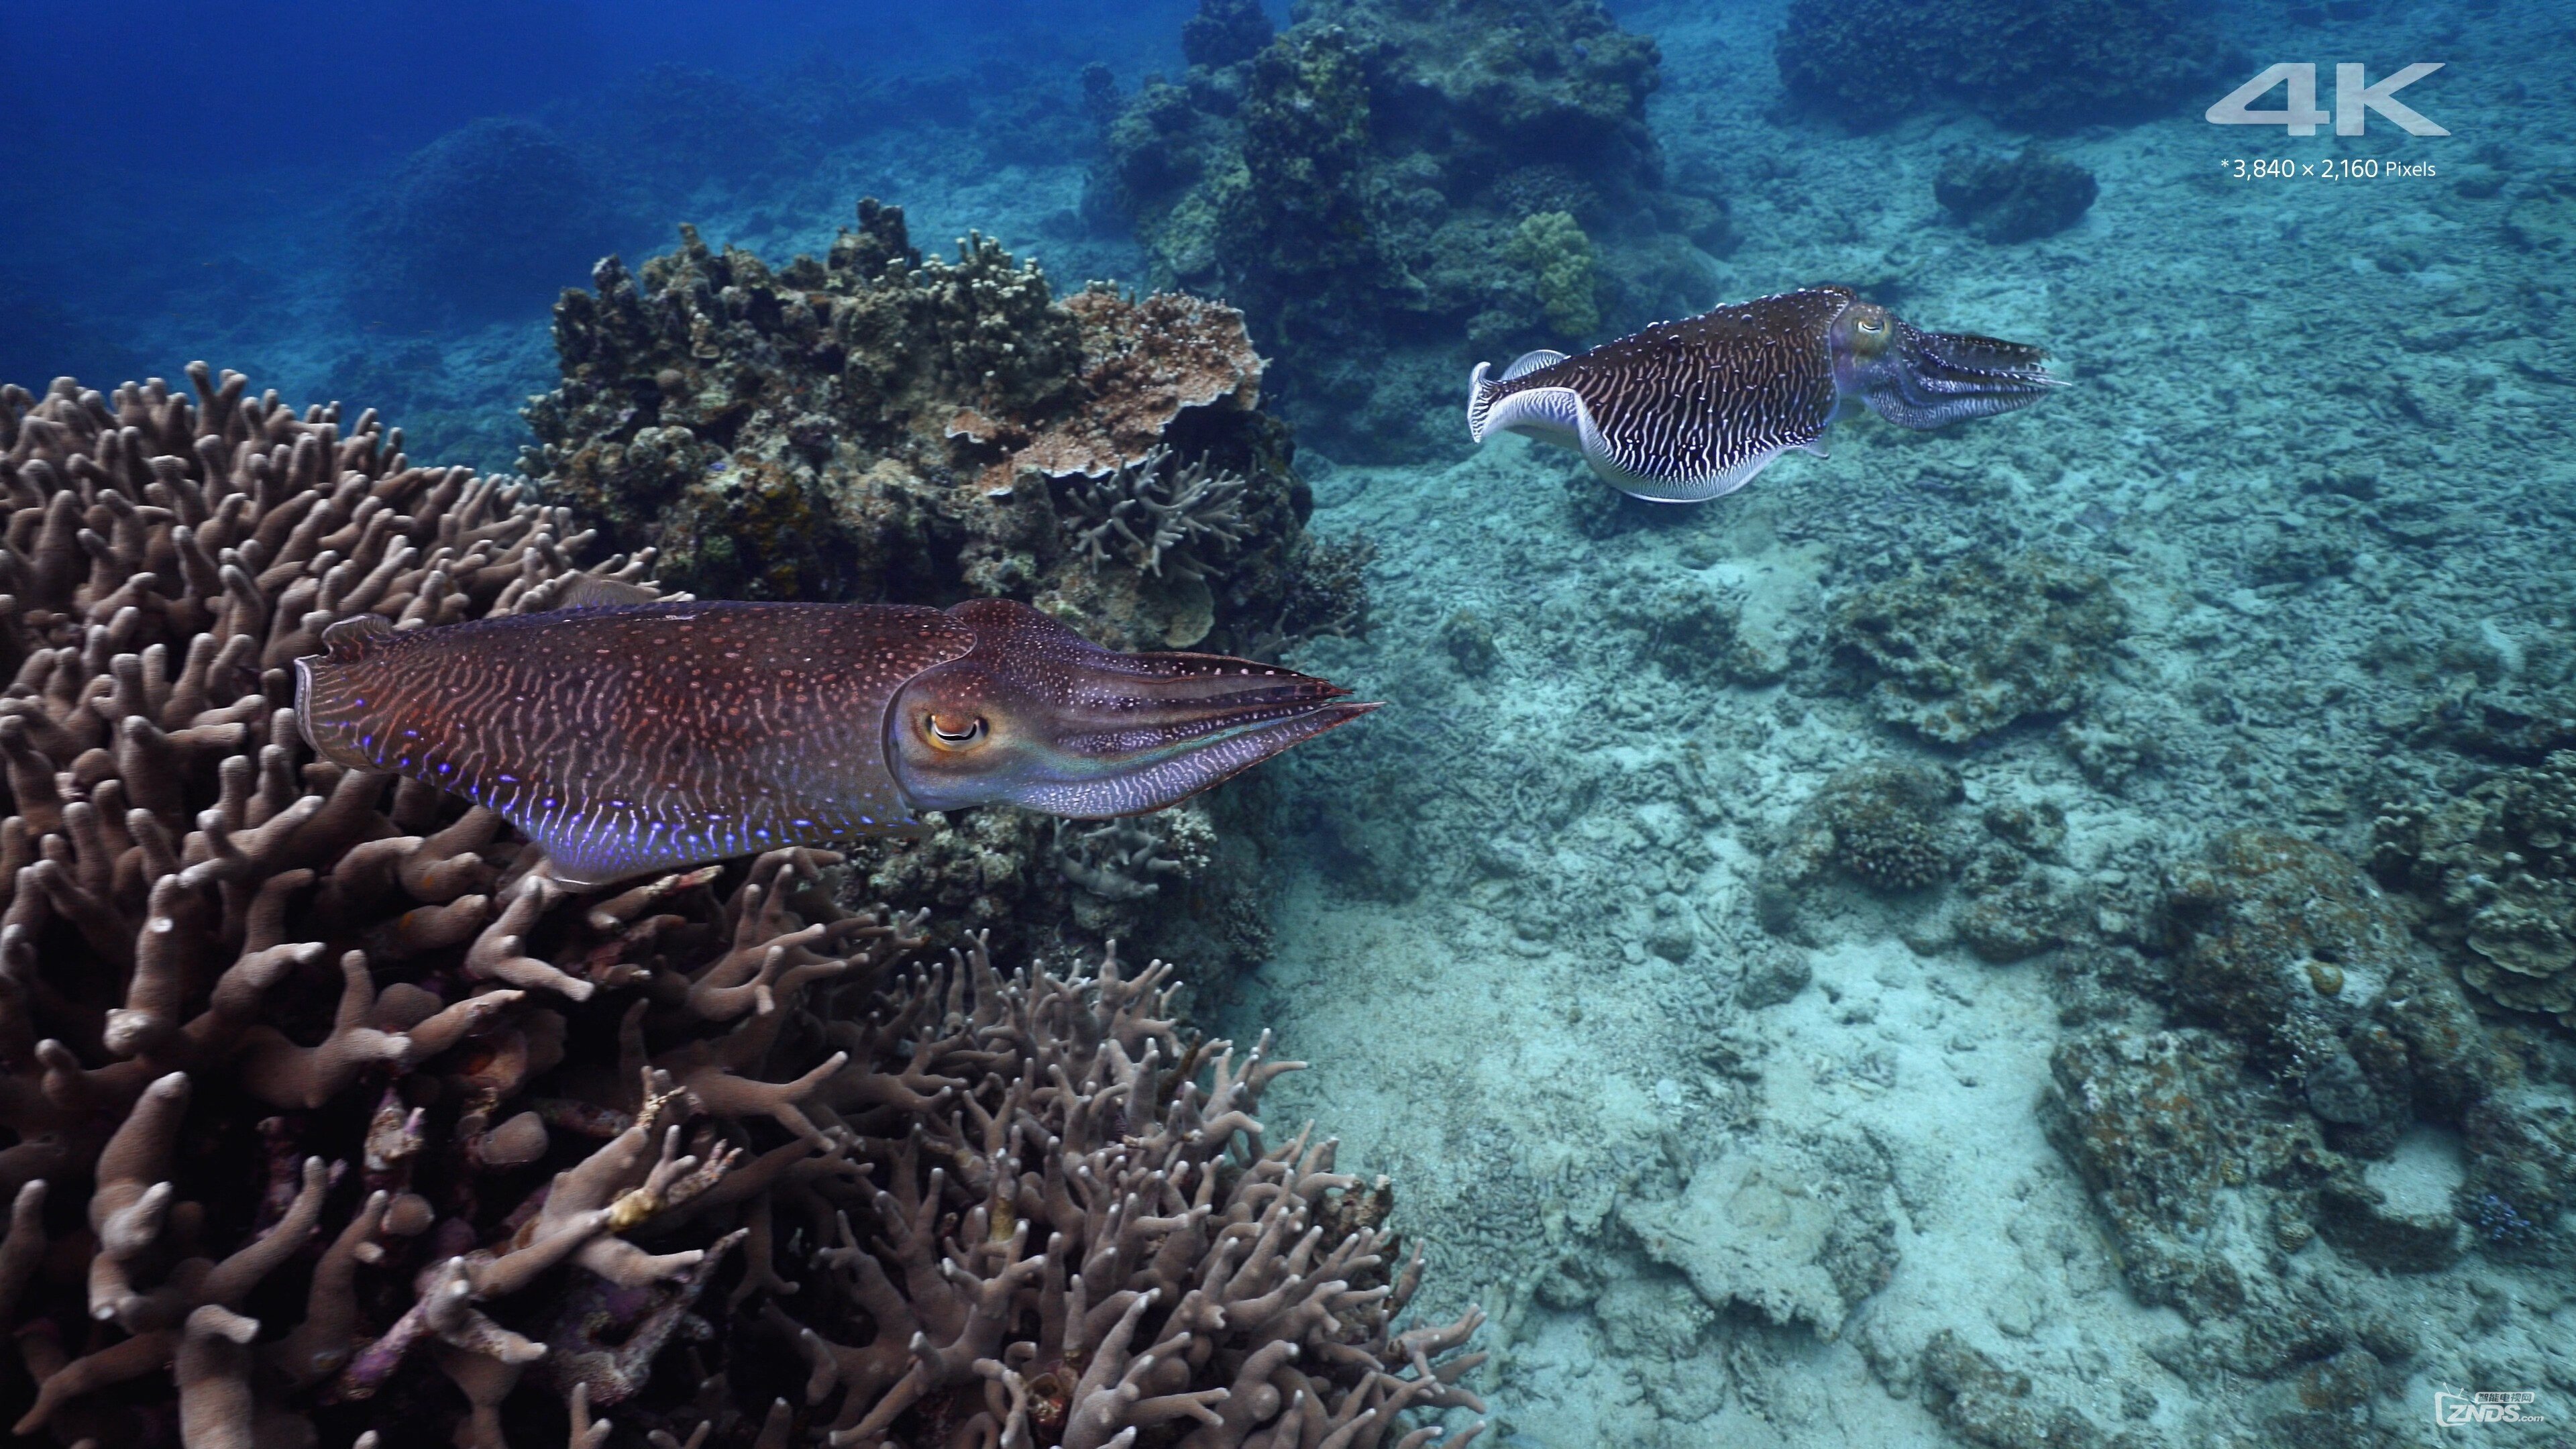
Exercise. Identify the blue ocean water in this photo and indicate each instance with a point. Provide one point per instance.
(1929, 949)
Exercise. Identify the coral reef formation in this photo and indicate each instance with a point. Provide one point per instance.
(2043, 64)
(1992, 1408)
(1380, 180)
(490, 219)
(1960, 652)
(1551, 246)
(870, 426)
(327, 1103)
(2033, 194)
(1153, 513)
(2020, 900)
(1798, 1231)
(1692, 630)
(2496, 868)
(2312, 1042)
(1890, 829)
(1223, 32)
(1881, 823)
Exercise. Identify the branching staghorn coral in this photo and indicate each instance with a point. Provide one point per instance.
(1153, 512)
(209, 941)
(1121, 860)
(523, 1143)
(1087, 1243)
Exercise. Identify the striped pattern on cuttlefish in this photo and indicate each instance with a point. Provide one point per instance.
(633, 737)
(1691, 410)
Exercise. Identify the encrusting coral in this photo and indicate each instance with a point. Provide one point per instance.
(2308, 1036)
(330, 1111)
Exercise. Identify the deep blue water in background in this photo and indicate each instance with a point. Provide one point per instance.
(189, 175)
(214, 90)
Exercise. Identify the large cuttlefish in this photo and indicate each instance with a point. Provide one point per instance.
(627, 738)
(1690, 410)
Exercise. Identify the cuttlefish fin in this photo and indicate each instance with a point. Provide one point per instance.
(1699, 489)
(590, 591)
(1529, 362)
(1549, 419)
(353, 637)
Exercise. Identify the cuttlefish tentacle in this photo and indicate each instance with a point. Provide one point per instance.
(1949, 377)
(1694, 409)
(632, 738)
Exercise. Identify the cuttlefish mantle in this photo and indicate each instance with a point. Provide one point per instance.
(1691, 410)
(633, 737)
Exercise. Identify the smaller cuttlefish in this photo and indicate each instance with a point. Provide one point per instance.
(1692, 410)
(630, 737)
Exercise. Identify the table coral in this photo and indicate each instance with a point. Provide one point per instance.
(1961, 652)
(327, 1103)
(1380, 183)
(2497, 868)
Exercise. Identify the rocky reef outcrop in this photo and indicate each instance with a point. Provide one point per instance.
(2495, 870)
(1957, 653)
(2315, 1112)
(1380, 182)
(871, 425)
(2051, 65)
(875, 426)
(331, 1116)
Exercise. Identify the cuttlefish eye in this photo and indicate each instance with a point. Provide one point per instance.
(952, 731)
(1865, 330)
